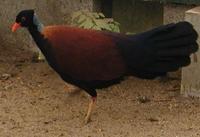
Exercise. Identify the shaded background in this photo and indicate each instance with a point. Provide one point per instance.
(134, 16)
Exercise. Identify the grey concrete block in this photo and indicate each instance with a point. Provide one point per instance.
(190, 83)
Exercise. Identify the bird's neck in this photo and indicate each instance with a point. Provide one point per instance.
(36, 32)
(38, 37)
(37, 23)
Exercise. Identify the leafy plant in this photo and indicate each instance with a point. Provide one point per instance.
(94, 20)
(130, 33)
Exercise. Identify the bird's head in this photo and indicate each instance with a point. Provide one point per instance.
(23, 19)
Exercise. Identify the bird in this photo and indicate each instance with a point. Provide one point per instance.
(91, 59)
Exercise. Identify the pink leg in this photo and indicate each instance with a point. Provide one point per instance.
(90, 108)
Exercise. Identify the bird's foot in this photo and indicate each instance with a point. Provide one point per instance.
(87, 120)
(90, 108)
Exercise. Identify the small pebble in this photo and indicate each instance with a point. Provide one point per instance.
(5, 76)
(143, 99)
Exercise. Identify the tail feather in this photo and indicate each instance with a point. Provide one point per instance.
(182, 51)
(173, 31)
(161, 50)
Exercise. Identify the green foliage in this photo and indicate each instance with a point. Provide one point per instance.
(130, 33)
(94, 20)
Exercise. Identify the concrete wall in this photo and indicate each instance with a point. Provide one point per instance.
(137, 16)
(49, 11)
(175, 12)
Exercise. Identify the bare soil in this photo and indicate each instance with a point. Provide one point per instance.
(35, 103)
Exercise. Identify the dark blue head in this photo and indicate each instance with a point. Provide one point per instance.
(23, 19)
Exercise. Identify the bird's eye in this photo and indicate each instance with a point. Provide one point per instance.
(23, 19)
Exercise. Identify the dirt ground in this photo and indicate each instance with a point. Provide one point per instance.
(34, 103)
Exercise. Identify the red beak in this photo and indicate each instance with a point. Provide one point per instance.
(15, 26)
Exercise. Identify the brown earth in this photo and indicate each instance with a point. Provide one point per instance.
(34, 103)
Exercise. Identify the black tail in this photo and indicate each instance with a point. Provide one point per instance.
(158, 51)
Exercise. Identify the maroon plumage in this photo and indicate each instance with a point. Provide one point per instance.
(85, 54)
